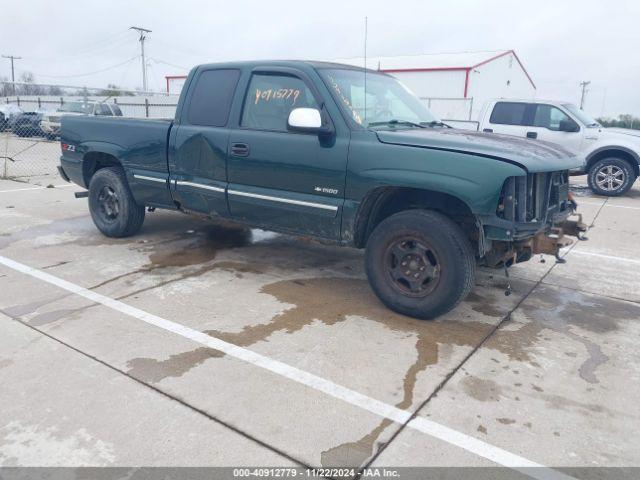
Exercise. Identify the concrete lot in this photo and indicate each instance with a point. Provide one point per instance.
(115, 365)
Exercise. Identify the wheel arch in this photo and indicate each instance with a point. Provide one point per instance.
(623, 153)
(383, 202)
(95, 159)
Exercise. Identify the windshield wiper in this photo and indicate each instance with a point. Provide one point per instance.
(397, 122)
(436, 123)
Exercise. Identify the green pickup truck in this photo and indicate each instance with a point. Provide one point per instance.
(338, 153)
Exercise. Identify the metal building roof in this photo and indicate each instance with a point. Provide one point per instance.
(433, 61)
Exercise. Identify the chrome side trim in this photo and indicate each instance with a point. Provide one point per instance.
(283, 200)
(151, 179)
(199, 185)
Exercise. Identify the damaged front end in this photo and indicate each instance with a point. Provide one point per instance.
(535, 215)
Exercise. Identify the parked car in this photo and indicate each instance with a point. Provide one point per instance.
(50, 123)
(9, 110)
(611, 156)
(288, 146)
(27, 124)
(4, 123)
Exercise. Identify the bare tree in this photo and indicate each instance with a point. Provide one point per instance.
(29, 86)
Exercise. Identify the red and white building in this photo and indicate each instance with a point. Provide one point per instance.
(454, 85)
(457, 85)
(175, 83)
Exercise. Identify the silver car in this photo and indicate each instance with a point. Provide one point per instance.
(50, 123)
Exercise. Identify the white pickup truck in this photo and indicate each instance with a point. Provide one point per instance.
(611, 155)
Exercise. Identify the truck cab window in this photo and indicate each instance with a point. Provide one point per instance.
(549, 117)
(270, 99)
(508, 113)
(212, 97)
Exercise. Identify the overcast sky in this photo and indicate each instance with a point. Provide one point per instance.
(560, 42)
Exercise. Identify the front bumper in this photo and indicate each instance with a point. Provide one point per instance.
(505, 243)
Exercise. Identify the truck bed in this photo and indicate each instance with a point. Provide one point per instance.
(138, 143)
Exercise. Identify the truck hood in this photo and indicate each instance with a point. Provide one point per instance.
(622, 132)
(532, 155)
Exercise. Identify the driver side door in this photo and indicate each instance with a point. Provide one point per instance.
(546, 126)
(280, 179)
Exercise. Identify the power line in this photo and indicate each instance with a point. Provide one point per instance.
(105, 44)
(156, 60)
(89, 73)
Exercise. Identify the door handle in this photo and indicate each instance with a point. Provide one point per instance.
(487, 130)
(240, 150)
(532, 134)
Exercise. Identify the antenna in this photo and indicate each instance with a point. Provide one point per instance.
(365, 69)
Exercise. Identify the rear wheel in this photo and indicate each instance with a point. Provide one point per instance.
(113, 208)
(420, 263)
(611, 177)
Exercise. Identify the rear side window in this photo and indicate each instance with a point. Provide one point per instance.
(270, 99)
(116, 110)
(212, 97)
(509, 113)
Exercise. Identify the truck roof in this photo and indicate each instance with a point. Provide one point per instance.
(286, 63)
(533, 100)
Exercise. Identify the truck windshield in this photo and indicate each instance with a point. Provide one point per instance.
(388, 102)
(583, 117)
(77, 107)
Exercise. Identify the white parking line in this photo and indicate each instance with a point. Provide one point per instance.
(608, 205)
(608, 257)
(38, 188)
(446, 434)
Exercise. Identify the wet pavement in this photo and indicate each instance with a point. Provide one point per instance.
(324, 374)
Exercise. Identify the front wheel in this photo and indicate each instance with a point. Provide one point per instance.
(113, 208)
(611, 177)
(420, 263)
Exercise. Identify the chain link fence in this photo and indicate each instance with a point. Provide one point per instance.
(30, 124)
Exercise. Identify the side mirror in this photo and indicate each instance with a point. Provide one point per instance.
(308, 120)
(305, 120)
(568, 126)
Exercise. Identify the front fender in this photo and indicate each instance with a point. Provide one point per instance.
(475, 180)
(627, 147)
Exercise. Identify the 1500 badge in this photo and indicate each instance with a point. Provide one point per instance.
(332, 191)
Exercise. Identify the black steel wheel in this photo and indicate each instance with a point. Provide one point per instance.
(413, 267)
(109, 204)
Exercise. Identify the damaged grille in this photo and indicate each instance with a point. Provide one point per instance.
(535, 197)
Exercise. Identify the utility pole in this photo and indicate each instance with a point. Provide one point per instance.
(13, 75)
(142, 38)
(584, 86)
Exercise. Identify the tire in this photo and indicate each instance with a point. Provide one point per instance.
(113, 208)
(611, 177)
(429, 245)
